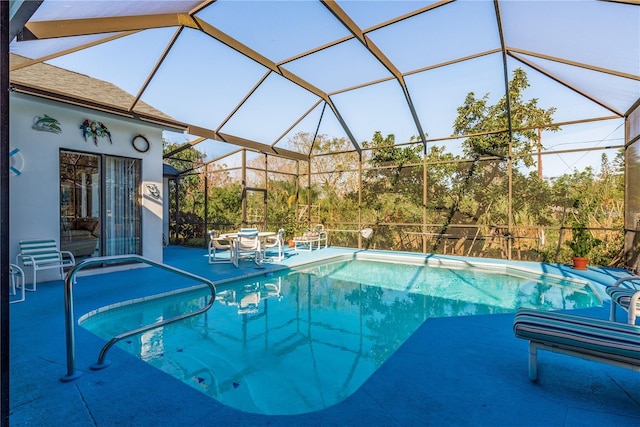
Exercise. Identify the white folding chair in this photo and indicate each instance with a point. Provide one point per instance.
(16, 281)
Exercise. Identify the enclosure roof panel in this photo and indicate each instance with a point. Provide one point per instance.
(258, 73)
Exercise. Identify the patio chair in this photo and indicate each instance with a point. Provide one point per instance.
(16, 281)
(248, 245)
(627, 296)
(309, 239)
(218, 243)
(43, 254)
(599, 340)
(271, 242)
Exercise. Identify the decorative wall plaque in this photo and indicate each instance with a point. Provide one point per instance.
(46, 124)
(93, 129)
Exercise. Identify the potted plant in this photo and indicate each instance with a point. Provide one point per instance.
(581, 243)
(291, 230)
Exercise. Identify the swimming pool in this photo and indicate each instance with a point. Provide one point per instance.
(304, 340)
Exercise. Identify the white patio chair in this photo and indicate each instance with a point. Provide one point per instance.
(218, 243)
(16, 281)
(248, 245)
(41, 254)
(271, 242)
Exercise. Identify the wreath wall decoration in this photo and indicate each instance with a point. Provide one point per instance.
(140, 143)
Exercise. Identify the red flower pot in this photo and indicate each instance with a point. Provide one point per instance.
(580, 263)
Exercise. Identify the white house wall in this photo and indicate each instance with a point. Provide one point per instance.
(35, 193)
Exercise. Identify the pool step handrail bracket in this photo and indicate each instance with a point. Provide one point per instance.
(70, 279)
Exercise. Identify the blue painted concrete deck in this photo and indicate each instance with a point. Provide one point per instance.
(464, 371)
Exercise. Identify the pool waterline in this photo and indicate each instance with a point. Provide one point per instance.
(257, 332)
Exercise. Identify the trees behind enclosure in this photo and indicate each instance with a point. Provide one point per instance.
(481, 193)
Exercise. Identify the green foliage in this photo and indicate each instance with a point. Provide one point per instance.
(186, 160)
(393, 187)
(461, 201)
(473, 190)
(596, 201)
(190, 191)
(490, 122)
(582, 241)
(196, 242)
(225, 204)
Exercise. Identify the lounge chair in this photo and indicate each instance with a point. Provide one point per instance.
(625, 294)
(217, 243)
(311, 238)
(599, 340)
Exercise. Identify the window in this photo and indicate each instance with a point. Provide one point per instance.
(100, 209)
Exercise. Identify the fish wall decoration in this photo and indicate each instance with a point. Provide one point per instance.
(46, 123)
(154, 191)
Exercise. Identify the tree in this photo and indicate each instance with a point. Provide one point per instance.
(328, 168)
(476, 117)
(190, 190)
(393, 186)
(480, 191)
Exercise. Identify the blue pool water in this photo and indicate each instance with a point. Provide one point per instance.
(301, 341)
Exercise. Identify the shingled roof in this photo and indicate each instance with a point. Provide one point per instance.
(50, 81)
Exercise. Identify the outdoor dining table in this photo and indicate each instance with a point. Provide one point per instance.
(261, 235)
(233, 240)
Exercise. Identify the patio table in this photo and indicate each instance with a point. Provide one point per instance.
(233, 239)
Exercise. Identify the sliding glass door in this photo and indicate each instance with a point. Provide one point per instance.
(100, 209)
(122, 206)
(80, 204)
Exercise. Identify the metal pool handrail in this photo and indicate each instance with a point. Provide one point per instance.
(68, 307)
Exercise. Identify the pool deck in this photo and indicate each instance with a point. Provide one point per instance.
(460, 371)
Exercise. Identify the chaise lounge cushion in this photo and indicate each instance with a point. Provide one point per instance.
(596, 337)
(307, 236)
